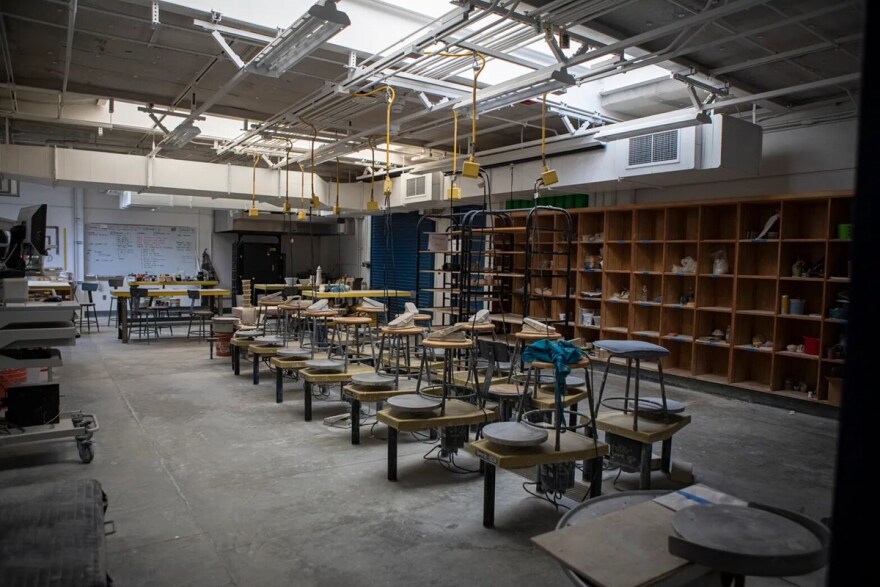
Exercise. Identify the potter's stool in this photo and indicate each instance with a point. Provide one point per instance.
(317, 335)
(632, 350)
(447, 385)
(293, 312)
(474, 331)
(338, 346)
(523, 339)
(398, 344)
(424, 320)
(534, 382)
(374, 314)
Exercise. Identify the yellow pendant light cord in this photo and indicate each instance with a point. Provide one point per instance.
(254, 211)
(454, 190)
(301, 215)
(313, 200)
(386, 186)
(548, 176)
(372, 205)
(286, 208)
(336, 205)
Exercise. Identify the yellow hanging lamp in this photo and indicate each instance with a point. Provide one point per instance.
(253, 210)
(372, 205)
(301, 215)
(548, 176)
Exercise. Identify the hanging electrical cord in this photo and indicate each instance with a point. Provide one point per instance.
(253, 210)
(336, 205)
(548, 176)
(372, 205)
(470, 168)
(390, 95)
(286, 208)
(314, 202)
(301, 215)
(454, 190)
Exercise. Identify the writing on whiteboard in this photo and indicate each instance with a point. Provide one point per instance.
(120, 249)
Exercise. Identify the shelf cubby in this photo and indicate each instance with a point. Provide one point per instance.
(754, 216)
(838, 262)
(841, 212)
(706, 261)
(675, 252)
(648, 257)
(678, 286)
(805, 219)
(751, 369)
(653, 286)
(809, 252)
(650, 224)
(792, 332)
(618, 256)
(746, 327)
(718, 222)
(615, 283)
(680, 358)
(590, 224)
(759, 258)
(646, 319)
(795, 369)
(677, 322)
(809, 291)
(711, 362)
(714, 292)
(618, 226)
(683, 223)
(614, 316)
(835, 292)
(707, 322)
(756, 295)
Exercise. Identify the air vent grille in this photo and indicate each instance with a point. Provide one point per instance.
(661, 147)
(415, 186)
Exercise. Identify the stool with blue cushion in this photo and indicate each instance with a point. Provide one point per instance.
(638, 351)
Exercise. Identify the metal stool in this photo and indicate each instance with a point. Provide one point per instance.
(523, 339)
(200, 313)
(293, 312)
(141, 314)
(114, 282)
(88, 309)
(447, 385)
(398, 340)
(343, 348)
(632, 350)
(317, 334)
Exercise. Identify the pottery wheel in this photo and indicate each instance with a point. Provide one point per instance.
(647, 405)
(294, 352)
(373, 380)
(325, 365)
(744, 540)
(269, 340)
(413, 403)
(542, 380)
(514, 434)
(248, 333)
(672, 406)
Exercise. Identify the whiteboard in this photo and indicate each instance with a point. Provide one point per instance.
(121, 249)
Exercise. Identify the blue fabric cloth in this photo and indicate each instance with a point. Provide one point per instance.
(562, 354)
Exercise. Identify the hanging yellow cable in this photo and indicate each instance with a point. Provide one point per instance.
(386, 185)
(471, 168)
(454, 190)
(301, 215)
(372, 205)
(336, 205)
(253, 210)
(285, 209)
(548, 176)
(314, 202)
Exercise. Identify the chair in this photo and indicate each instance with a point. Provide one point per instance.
(200, 313)
(142, 313)
(88, 309)
(114, 282)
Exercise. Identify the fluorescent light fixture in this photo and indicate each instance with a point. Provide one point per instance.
(652, 124)
(297, 41)
(519, 89)
(181, 135)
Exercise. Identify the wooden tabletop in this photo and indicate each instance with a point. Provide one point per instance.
(170, 293)
(372, 395)
(47, 285)
(447, 344)
(458, 413)
(535, 336)
(650, 431)
(287, 362)
(547, 401)
(173, 282)
(324, 377)
(263, 349)
(360, 293)
(241, 342)
(573, 447)
(409, 331)
(280, 286)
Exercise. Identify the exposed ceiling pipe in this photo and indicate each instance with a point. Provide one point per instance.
(68, 55)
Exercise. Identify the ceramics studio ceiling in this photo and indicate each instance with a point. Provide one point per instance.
(117, 51)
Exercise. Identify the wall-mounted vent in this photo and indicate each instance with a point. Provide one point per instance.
(415, 186)
(653, 149)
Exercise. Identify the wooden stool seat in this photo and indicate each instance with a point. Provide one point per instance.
(505, 389)
(583, 363)
(447, 344)
(294, 306)
(480, 328)
(411, 331)
(370, 310)
(353, 320)
(319, 313)
(422, 318)
(534, 337)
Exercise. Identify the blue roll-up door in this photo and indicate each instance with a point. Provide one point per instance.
(394, 242)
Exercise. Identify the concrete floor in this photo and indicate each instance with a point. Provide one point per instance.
(212, 483)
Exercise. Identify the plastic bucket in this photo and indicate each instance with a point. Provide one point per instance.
(222, 347)
(796, 306)
(11, 378)
(811, 345)
(845, 231)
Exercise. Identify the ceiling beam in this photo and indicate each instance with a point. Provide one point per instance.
(786, 55)
(833, 81)
(68, 55)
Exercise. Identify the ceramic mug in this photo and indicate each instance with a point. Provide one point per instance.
(800, 348)
(791, 348)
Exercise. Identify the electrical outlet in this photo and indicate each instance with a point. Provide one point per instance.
(104, 297)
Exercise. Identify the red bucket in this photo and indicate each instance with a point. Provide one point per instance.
(222, 348)
(811, 345)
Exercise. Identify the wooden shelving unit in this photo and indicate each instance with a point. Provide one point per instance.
(638, 246)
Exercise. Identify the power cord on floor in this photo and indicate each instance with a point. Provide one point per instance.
(548, 496)
(448, 462)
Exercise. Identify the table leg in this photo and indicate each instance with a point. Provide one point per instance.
(256, 360)
(236, 360)
(572, 417)
(355, 421)
(645, 467)
(279, 385)
(489, 495)
(595, 476)
(666, 456)
(392, 453)
(307, 390)
(122, 318)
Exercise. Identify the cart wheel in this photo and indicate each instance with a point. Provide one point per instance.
(85, 450)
